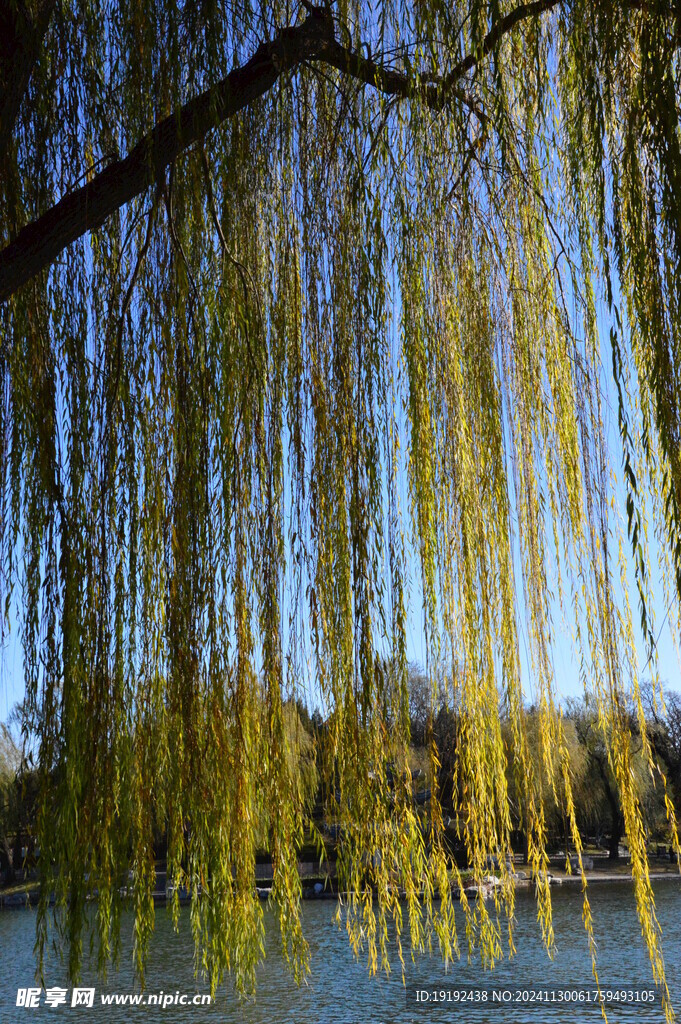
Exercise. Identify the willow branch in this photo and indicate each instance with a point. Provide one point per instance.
(39, 243)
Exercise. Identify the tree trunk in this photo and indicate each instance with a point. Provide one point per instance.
(616, 835)
(9, 857)
(17, 860)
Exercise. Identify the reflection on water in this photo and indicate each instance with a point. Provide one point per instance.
(340, 989)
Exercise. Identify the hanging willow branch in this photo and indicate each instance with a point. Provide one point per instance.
(39, 243)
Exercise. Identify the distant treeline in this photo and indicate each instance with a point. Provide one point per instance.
(594, 789)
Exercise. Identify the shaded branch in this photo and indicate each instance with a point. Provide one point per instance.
(39, 243)
(495, 35)
(21, 39)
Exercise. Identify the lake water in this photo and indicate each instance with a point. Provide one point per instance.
(340, 989)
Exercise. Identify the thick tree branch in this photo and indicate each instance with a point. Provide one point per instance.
(21, 39)
(39, 243)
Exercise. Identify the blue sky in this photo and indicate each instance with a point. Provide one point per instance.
(565, 665)
(564, 662)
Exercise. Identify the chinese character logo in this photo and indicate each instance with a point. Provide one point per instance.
(55, 997)
(83, 997)
(29, 998)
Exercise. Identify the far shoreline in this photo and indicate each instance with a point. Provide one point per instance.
(322, 886)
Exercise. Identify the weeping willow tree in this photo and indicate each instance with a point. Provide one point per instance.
(309, 314)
